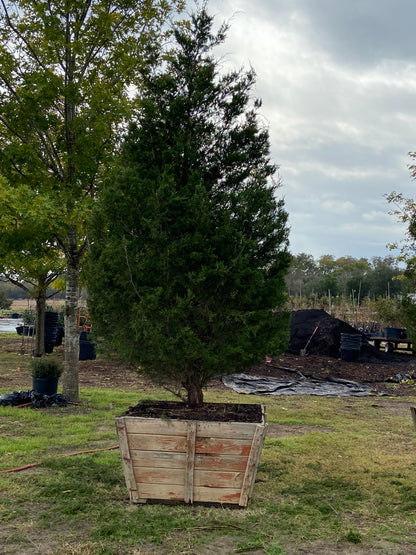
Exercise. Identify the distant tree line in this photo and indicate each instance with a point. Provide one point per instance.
(346, 277)
(12, 292)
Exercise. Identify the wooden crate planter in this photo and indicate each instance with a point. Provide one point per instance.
(190, 461)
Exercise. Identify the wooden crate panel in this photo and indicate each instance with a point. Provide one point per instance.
(189, 461)
(217, 495)
(157, 459)
(228, 463)
(203, 461)
(138, 425)
(235, 430)
(232, 430)
(145, 442)
(176, 493)
(159, 476)
(212, 479)
(222, 446)
(161, 491)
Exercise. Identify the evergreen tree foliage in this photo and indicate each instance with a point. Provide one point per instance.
(189, 244)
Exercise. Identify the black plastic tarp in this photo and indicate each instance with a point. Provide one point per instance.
(261, 385)
(19, 398)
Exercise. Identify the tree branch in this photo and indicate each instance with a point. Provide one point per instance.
(21, 36)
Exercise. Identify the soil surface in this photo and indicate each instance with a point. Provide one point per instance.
(211, 412)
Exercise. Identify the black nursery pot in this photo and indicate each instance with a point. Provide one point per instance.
(45, 386)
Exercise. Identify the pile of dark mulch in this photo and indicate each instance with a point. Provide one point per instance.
(23, 398)
(327, 338)
(211, 412)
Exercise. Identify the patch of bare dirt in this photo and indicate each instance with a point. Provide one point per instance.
(382, 373)
(111, 374)
(314, 351)
(386, 373)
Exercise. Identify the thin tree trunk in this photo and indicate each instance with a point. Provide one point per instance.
(40, 320)
(70, 377)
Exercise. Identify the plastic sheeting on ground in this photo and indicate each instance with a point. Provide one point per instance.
(399, 378)
(261, 385)
(21, 398)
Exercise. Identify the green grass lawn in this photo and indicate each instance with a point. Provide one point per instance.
(335, 474)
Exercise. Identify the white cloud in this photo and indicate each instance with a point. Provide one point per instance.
(338, 207)
(338, 83)
(377, 216)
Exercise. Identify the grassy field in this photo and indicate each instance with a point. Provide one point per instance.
(337, 475)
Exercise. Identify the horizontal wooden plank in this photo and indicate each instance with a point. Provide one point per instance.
(156, 459)
(162, 491)
(238, 430)
(209, 479)
(212, 479)
(217, 495)
(222, 446)
(144, 442)
(177, 444)
(227, 463)
(235, 430)
(174, 476)
(137, 425)
(176, 493)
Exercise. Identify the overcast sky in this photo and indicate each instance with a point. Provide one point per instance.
(338, 83)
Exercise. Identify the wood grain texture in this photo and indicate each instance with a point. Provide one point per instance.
(190, 461)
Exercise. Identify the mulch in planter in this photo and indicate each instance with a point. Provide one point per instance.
(211, 412)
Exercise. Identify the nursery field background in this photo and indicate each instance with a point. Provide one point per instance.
(337, 475)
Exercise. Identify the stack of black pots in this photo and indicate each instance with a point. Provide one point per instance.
(350, 346)
(86, 347)
(51, 330)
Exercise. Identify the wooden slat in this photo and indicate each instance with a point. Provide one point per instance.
(174, 476)
(138, 425)
(232, 430)
(190, 462)
(252, 463)
(145, 442)
(217, 495)
(212, 479)
(238, 430)
(157, 459)
(176, 493)
(227, 463)
(126, 460)
(162, 491)
(177, 444)
(223, 446)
